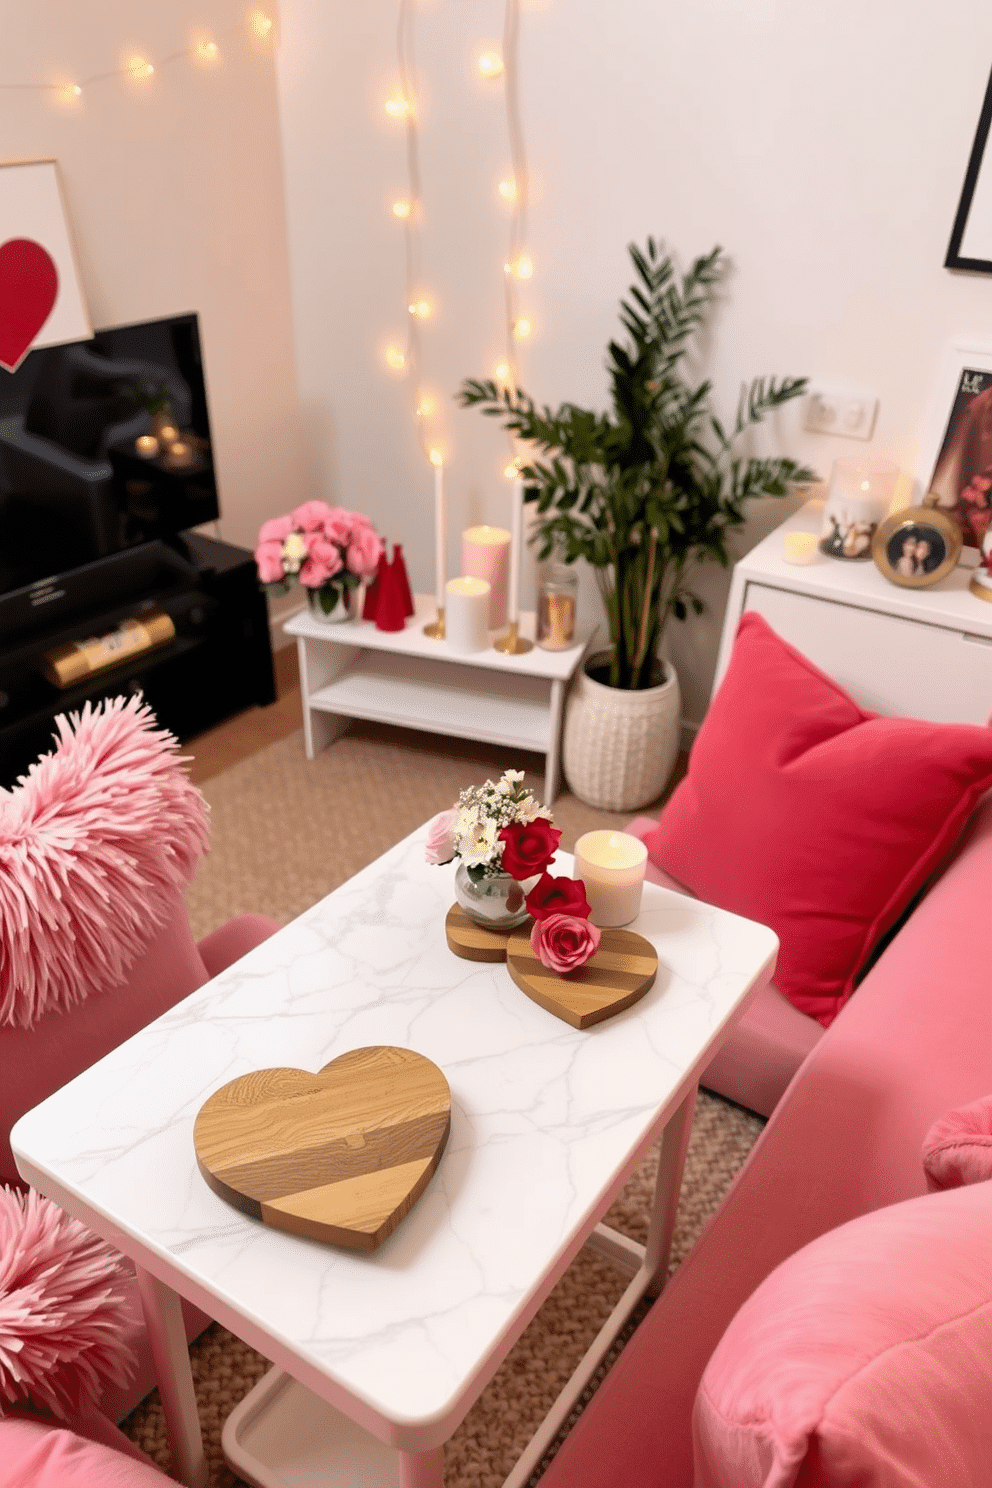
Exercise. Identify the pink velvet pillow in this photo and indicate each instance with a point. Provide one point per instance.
(35, 1454)
(862, 1361)
(958, 1148)
(809, 814)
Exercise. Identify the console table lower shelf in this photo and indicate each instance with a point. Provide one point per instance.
(353, 670)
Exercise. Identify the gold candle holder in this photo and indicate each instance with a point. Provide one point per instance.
(513, 643)
(435, 628)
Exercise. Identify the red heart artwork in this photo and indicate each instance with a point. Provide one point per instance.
(29, 285)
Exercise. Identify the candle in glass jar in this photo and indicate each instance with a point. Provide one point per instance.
(555, 620)
(611, 865)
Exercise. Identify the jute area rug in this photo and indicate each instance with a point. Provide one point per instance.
(285, 832)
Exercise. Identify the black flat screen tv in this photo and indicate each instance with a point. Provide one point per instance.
(104, 445)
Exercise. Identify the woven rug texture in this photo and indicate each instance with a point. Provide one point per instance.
(285, 832)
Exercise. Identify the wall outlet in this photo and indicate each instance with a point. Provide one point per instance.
(841, 410)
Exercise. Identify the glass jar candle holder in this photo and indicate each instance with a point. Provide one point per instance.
(557, 603)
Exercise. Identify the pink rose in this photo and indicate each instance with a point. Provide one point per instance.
(268, 556)
(338, 525)
(440, 838)
(563, 942)
(311, 516)
(364, 550)
(277, 529)
(323, 563)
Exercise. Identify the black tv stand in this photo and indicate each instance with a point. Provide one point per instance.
(218, 663)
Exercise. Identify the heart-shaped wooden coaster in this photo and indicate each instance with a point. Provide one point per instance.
(622, 970)
(342, 1155)
(472, 941)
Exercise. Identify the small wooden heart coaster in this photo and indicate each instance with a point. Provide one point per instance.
(471, 941)
(342, 1155)
(621, 971)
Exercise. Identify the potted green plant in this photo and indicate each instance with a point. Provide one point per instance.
(644, 492)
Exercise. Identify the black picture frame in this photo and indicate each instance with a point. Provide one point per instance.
(954, 259)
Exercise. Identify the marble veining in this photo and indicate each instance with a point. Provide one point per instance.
(544, 1118)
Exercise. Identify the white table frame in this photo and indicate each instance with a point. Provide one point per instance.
(94, 1146)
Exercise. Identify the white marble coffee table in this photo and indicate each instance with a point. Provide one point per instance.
(547, 1124)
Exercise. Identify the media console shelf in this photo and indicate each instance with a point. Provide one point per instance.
(352, 670)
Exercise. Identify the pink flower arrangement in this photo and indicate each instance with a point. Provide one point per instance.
(326, 548)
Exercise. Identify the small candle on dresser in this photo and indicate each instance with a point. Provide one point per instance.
(146, 445)
(800, 547)
(466, 613)
(611, 865)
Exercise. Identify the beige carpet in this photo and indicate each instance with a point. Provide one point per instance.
(285, 831)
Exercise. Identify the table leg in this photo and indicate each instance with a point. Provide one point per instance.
(422, 1469)
(167, 1334)
(671, 1162)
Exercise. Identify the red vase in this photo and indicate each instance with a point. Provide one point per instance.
(390, 611)
(403, 580)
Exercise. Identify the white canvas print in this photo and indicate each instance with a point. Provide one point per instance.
(41, 298)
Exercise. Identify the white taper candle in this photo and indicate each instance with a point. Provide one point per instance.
(440, 530)
(516, 540)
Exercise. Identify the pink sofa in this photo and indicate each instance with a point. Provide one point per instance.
(914, 1042)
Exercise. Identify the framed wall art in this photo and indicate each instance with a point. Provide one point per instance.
(41, 297)
(971, 236)
(955, 472)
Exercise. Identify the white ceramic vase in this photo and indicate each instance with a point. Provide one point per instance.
(338, 608)
(619, 747)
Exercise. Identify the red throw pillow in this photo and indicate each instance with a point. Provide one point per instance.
(809, 814)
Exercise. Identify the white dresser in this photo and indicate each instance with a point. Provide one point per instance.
(921, 653)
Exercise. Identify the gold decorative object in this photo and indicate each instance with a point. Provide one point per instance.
(513, 643)
(435, 629)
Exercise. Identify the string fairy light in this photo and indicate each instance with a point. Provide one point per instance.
(204, 50)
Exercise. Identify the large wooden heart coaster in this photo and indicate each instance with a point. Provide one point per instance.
(621, 971)
(342, 1155)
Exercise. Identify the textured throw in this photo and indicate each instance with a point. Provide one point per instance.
(62, 1308)
(92, 841)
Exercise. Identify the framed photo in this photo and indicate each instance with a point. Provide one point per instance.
(971, 236)
(916, 547)
(956, 458)
(41, 298)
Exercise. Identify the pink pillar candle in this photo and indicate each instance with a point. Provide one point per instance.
(485, 555)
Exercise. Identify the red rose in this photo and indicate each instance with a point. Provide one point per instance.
(528, 847)
(558, 896)
(563, 942)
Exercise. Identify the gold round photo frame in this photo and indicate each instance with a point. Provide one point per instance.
(917, 546)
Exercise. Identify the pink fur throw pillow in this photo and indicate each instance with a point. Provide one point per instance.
(958, 1147)
(63, 1308)
(91, 841)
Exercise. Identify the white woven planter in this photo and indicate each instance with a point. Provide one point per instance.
(619, 747)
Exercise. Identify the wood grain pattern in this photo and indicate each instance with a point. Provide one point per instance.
(471, 941)
(620, 973)
(342, 1155)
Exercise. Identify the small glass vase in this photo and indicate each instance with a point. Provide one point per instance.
(496, 903)
(330, 606)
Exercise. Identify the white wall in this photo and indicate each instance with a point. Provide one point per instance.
(173, 192)
(824, 147)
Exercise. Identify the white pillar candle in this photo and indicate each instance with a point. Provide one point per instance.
(484, 556)
(466, 614)
(861, 492)
(611, 865)
(440, 530)
(516, 539)
(800, 547)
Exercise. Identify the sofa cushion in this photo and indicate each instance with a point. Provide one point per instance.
(862, 1360)
(806, 812)
(39, 1454)
(958, 1147)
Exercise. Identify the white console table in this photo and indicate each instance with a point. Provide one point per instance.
(917, 653)
(353, 670)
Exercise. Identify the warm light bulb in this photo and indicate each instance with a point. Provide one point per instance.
(207, 51)
(512, 470)
(490, 64)
(69, 92)
(261, 24)
(521, 268)
(435, 458)
(508, 190)
(521, 327)
(420, 308)
(401, 209)
(425, 407)
(398, 107)
(395, 359)
(503, 372)
(139, 68)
